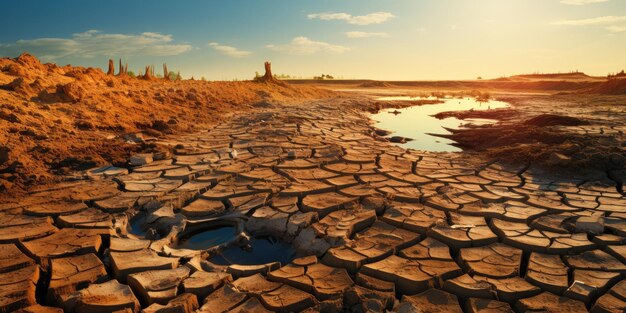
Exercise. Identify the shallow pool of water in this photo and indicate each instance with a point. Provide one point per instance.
(263, 250)
(138, 225)
(417, 121)
(407, 98)
(206, 239)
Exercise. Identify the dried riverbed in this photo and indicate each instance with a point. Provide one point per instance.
(358, 223)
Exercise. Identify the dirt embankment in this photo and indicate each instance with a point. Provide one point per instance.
(497, 114)
(542, 140)
(614, 86)
(502, 84)
(56, 119)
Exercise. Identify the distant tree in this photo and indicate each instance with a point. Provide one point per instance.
(173, 75)
(203, 78)
(620, 74)
(257, 76)
(131, 73)
(479, 77)
(323, 76)
(282, 76)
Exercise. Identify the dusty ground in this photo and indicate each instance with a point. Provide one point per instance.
(362, 225)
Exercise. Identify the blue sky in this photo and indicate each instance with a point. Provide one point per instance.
(390, 39)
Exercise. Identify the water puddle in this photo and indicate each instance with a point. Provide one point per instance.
(138, 225)
(407, 98)
(262, 250)
(205, 239)
(417, 122)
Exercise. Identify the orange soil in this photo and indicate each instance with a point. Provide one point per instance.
(54, 119)
(614, 86)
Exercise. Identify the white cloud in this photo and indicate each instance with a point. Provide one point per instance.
(356, 34)
(616, 29)
(93, 43)
(303, 45)
(229, 51)
(581, 2)
(372, 18)
(592, 21)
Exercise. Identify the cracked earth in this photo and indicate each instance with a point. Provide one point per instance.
(316, 213)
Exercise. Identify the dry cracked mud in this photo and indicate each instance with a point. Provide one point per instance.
(305, 208)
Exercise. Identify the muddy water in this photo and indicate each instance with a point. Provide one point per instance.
(138, 225)
(417, 122)
(262, 250)
(209, 238)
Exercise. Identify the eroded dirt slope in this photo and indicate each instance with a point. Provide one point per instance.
(56, 119)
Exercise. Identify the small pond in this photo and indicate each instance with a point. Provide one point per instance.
(208, 238)
(138, 226)
(262, 250)
(416, 122)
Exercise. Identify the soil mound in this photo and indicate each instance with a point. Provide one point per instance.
(572, 75)
(497, 114)
(555, 120)
(615, 86)
(374, 84)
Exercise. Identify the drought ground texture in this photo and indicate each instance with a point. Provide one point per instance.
(363, 225)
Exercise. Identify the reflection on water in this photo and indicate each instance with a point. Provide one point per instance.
(138, 225)
(407, 98)
(262, 250)
(204, 240)
(416, 121)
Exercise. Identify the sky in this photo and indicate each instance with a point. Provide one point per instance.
(374, 39)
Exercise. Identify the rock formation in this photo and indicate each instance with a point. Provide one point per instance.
(149, 73)
(268, 77)
(123, 70)
(111, 70)
(268, 72)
